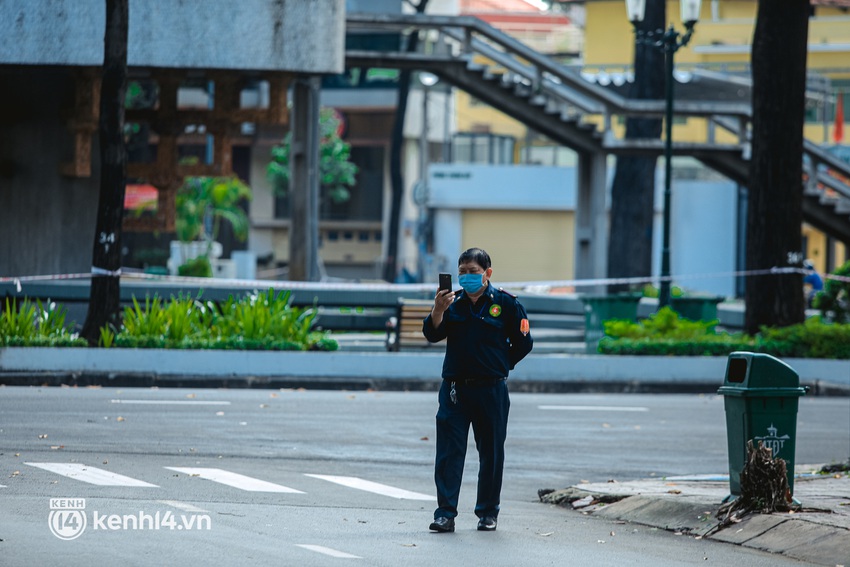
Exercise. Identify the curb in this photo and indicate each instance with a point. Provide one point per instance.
(789, 535)
(815, 535)
(555, 373)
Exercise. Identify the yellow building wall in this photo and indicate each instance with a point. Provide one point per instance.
(474, 116)
(524, 245)
(609, 42)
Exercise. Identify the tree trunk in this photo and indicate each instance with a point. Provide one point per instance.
(396, 147)
(106, 255)
(633, 187)
(774, 212)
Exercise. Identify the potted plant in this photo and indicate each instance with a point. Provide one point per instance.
(202, 204)
(336, 171)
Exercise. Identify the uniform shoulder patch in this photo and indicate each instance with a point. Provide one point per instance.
(509, 294)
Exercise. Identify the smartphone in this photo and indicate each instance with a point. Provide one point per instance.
(446, 282)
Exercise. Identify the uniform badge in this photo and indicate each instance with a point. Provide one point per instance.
(524, 327)
(495, 310)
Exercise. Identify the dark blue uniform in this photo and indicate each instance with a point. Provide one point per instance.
(484, 342)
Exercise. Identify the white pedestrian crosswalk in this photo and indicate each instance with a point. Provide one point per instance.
(235, 480)
(102, 477)
(374, 487)
(91, 475)
(328, 551)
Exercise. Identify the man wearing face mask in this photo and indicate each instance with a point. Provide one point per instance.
(487, 334)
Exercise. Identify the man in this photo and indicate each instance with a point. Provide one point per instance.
(812, 282)
(487, 333)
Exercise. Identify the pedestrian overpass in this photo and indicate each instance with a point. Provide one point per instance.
(559, 103)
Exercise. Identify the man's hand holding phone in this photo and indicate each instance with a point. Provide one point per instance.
(444, 298)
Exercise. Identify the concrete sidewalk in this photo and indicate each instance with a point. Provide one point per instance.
(819, 533)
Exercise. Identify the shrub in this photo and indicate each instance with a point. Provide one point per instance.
(667, 334)
(35, 324)
(665, 323)
(259, 321)
(834, 300)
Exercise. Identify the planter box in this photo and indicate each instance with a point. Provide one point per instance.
(676, 373)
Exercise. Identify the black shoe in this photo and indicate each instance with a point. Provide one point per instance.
(442, 525)
(487, 524)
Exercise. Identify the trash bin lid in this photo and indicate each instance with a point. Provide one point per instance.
(758, 371)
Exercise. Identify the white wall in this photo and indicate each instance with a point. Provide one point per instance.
(203, 34)
(703, 214)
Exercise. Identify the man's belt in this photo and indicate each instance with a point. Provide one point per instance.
(476, 380)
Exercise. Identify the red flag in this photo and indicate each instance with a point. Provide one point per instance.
(838, 132)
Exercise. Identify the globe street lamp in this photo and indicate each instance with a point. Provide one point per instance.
(669, 42)
(420, 190)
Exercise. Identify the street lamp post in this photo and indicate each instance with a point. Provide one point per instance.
(420, 192)
(669, 42)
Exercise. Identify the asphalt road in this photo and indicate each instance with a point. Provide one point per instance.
(259, 477)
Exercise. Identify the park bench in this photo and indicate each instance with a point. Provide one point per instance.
(405, 328)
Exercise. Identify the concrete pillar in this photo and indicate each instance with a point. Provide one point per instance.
(591, 219)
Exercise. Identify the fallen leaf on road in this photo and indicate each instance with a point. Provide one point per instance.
(190, 395)
(119, 418)
(423, 439)
(219, 413)
(16, 473)
(273, 395)
(43, 436)
(263, 406)
(17, 454)
(547, 534)
(55, 447)
(606, 425)
(600, 541)
(408, 545)
(674, 491)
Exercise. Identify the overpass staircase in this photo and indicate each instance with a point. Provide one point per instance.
(556, 101)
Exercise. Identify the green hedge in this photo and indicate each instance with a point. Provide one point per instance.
(666, 334)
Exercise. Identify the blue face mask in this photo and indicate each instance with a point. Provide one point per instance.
(471, 283)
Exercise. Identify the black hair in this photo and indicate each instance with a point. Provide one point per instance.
(476, 255)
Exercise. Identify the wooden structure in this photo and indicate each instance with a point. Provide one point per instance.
(168, 123)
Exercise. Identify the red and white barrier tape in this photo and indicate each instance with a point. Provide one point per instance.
(348, 286)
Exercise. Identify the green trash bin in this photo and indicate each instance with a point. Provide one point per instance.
(761, 395)
(696, 308)
(601, 308)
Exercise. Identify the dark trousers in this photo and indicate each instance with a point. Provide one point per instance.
(485, 407)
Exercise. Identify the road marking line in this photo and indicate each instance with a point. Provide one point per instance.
(185, 506)
(594, 408)
(2, 486)
(91, 475)
(374, 487)
(328, 551)
(171, 402)
(235, 480)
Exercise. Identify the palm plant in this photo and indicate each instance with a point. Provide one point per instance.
(202, 204)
